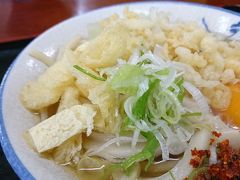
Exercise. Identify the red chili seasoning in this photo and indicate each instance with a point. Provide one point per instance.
(195, 162)
(212, 140)
(200, 153)
(217, 134)
(227, 166)
(198, 156)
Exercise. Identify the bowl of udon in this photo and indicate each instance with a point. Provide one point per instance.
(134, 91)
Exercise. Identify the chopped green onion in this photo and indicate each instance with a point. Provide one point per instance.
(127, 125)
(188, 114)
(139, 109)
(179, 82)
(87, 72)
(154, 106)
(163, 72)
(148, 152)
(145, 61)
(164, 104)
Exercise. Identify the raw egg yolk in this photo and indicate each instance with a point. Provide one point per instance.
(232, 114)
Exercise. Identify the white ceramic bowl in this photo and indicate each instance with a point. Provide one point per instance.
(14, 119)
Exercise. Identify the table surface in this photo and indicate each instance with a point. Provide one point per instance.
(24, 19)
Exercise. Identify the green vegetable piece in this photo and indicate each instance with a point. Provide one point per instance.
(127, 126)
(163, 104)
(89, 73)
(163, 72)
(188, 114)
(197, 172)
(139, 109)
(179, 82)
(148, 152)
(141, 51)
(127, 79)
(145, 61)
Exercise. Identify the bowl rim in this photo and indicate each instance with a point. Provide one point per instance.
(16, 164)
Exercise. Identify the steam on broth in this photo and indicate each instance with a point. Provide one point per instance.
(142, 97)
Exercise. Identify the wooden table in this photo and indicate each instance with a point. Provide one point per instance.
(25, 19)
